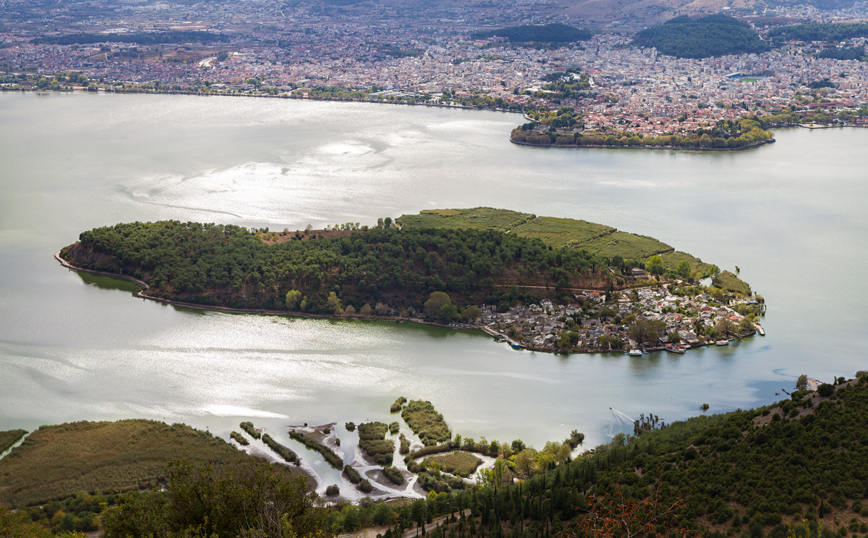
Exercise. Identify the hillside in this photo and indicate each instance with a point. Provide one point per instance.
(714, 35)
(745, 473)
(597, 239)
(548, 33)
(55, 462)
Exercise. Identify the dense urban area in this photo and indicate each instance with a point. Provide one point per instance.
(438, 56)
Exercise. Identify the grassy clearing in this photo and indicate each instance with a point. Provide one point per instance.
(482, 218)
(672, 259)
(9, 438)
(729, 282)
(426, 422)
(55, 462)
(559, 232)
(458, 463)
(628, 246)
(333, 459)
(372, 442)
(556, 232)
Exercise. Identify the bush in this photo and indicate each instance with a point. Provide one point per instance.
(251, 431)
(352, 475)
(350, 426)
(365, 486)
(285, 452)
(238, 438)
(393, 474)
(333, 490)
(825, 390)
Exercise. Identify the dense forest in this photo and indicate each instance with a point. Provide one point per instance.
(843, 53)
(548, 33)
(714, 35)
(157, 38)
(380, 270)
(818, 31)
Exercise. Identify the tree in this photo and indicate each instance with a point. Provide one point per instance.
(366, 310)
(471, 314)
(435, 302)
(655, 265)
(683, 269)
(334, 304)
(293, 297)
(525, 461)
(726, 327)
(802, 382)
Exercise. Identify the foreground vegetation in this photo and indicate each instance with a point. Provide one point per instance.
(801, 464)
(55, 462)
(9, 438)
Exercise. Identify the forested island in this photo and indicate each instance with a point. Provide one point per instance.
(801, 472)
(539, 282)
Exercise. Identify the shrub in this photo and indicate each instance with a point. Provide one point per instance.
(238, 438)
(393, 474)
(251, 431)
(365, 486)
(350, 426)
(825, 390)
(285, 452)
(333, 490)
(352, 475)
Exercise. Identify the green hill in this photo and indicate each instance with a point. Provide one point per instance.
(714, 35)
(548, 33)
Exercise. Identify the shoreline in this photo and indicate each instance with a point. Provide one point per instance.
(697, 149)
(498, 337)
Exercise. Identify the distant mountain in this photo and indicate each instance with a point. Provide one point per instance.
(714, 35)
(549, 33)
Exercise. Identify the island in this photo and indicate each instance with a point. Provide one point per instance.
(541, 283)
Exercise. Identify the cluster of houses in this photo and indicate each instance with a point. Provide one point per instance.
(597, 322)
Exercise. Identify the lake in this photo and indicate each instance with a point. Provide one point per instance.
(72, 347)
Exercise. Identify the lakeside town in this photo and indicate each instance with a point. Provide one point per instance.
(304, 53)
(669, 316)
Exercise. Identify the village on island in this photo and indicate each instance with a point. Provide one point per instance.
(653, 318)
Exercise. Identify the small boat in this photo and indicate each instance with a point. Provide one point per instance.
(635, 353)
(516, 346)
(676, 349)
(722, 343)
(760, 330)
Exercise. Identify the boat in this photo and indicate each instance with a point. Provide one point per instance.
(760, 330)
(516, 346)
(676, 349)
(722, 342)
(635, 353)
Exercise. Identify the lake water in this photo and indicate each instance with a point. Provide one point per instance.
(791, 215)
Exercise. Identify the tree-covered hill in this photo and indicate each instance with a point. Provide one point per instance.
(802, 462)
(829, 32)
(548, 33)
(396, 268)
(714, 35)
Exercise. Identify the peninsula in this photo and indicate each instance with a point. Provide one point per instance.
(543, 283)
